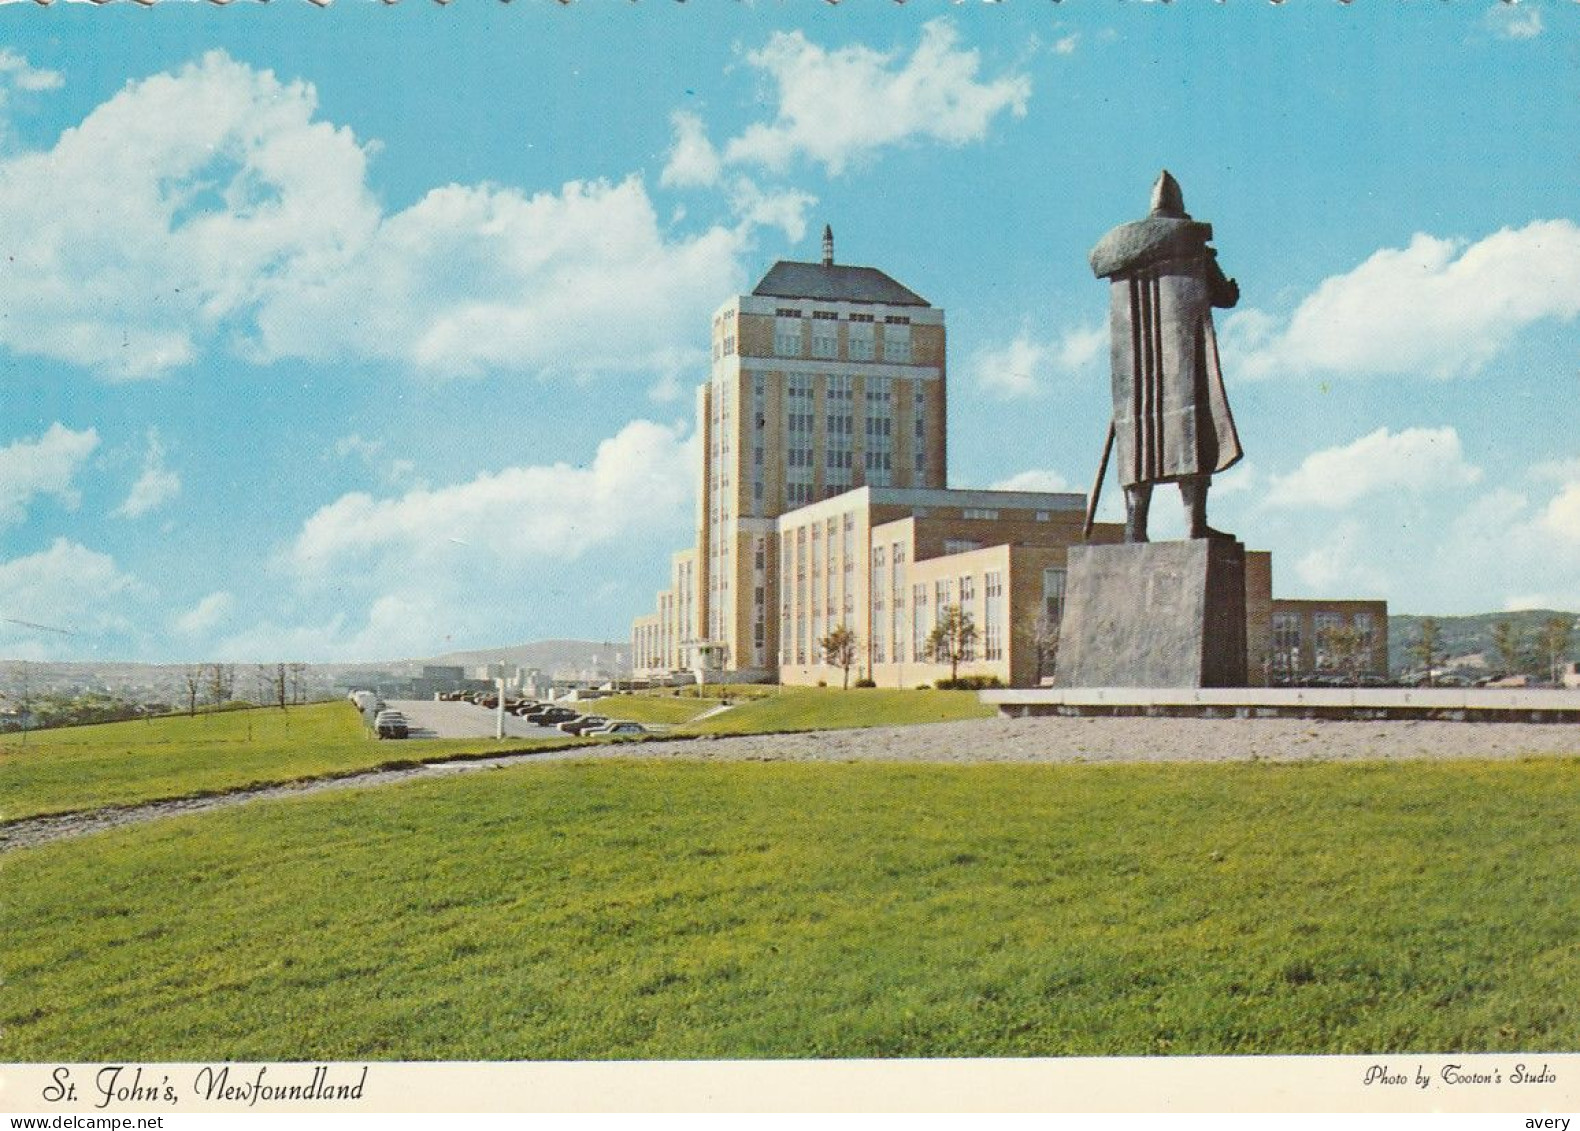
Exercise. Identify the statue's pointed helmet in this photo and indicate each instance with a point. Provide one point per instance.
(1167, 199)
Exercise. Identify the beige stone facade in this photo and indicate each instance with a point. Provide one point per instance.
(886, 562)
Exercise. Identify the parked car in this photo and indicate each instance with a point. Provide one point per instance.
(583, 723)
(390, 724)
(552, 716)
(618, 726)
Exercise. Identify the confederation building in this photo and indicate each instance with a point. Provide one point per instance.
(824, 502)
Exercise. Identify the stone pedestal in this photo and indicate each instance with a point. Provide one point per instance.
(1154, 614)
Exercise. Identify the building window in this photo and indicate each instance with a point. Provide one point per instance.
(1286, 642)
(993, 616)
(979, 513)
(897, 340)
(787, 333)
(1053, 595)
(1322, 624)
(1365, 638)
(960, 545)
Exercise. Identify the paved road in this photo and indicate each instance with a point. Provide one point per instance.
(429, 718)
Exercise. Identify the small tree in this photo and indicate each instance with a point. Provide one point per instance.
(1425, 648)
(1342, 645)
(221, 684)
(194, 680)
(952, 639)
(1508, 640)
(839, 649)
(279, 685)
(1555, 645)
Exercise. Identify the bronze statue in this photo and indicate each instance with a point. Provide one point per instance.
(1171, 415)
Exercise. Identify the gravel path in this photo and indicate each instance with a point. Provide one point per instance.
(982, 740)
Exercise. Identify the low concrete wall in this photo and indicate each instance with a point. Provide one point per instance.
(1459, 704)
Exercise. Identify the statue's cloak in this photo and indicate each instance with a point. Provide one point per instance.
(1171, 413)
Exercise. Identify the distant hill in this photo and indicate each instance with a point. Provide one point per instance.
(547, 655)
(1472, 635)
(167, 683)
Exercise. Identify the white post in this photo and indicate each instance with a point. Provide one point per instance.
(499, 708)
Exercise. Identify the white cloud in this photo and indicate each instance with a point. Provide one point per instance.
(75, 591)
(1515, 21)
(1027, 365)
(1415, 460)
(1066, 45)
(16, 71)
(639, 477)
(17, 74)
(693, 160)
(45, 466)
(156, 486)
(1438, 307)
(206, 615)
(402, 575)
(1340, 565)
(1519, 547)
(355, 445)
(1034, 479)
(211, 206)
(784, 209)
(581, 281)
(842, 105)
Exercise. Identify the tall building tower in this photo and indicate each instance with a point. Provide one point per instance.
(825, 377)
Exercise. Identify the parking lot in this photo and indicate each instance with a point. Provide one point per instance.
(428, 718)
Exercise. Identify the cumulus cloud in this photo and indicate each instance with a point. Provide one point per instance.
(1341, 564)
(460, 561)
(477, 278)
(74, 590)
(1415, 460)
(242, 219)
(693, 160)
(839, 106)
(1033, 479)
(156, 486)
(206, 615)
(1439, 307)
(782, 208)
(1515, 21)
(45, 466)
(639, 477)
(1028, 365)
(1518, 545)
(17, 72)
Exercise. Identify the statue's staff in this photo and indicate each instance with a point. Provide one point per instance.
(1097, 484)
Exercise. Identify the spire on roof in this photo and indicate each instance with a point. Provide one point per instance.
(828, 246)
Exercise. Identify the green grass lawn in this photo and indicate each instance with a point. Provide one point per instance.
(647, 910)
(652, 707)
(74, 768)
(819, 708)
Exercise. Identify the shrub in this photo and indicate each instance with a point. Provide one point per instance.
(865, 683)
(969, 683)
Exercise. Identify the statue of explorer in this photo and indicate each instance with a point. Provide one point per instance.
(1171, 414)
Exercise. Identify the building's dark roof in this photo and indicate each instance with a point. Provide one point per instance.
(836, 283)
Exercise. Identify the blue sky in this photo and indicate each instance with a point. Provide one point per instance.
(371, 332)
